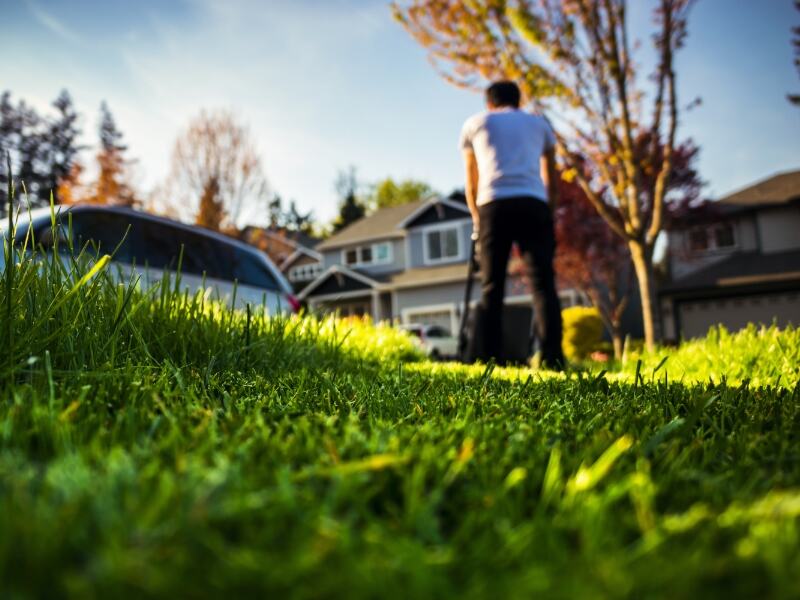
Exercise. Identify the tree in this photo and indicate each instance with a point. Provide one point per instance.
(387, 192)
(573, 61)
(592, 259)
(299, 222)
(795, 98)
(62, 148)
(70, 189)
(43, 150)
(112, 185)
(217, 170)
(351, 207)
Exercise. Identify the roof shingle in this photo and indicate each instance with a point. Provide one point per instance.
(380, 224)
(778, 189)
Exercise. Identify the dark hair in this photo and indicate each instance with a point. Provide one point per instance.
(503, 93)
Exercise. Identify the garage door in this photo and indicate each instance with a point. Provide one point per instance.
(735, 313)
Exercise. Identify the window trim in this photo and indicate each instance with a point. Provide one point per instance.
(373, 248)
(311, 270)
(426, 254)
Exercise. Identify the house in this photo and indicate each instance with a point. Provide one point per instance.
(405, 264)
(736, 262)
(291, 251)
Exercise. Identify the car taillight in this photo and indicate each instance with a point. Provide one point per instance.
(294, 303)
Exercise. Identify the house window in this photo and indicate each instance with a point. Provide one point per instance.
(305, 272)
(723, 236)
(368, 255)
(442, 245)
(382, 253)
(698, 240)
(717, 237)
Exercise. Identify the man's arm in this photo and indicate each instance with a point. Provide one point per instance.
(471, 186)
(550, 177)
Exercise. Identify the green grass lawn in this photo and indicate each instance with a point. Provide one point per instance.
(157, 445)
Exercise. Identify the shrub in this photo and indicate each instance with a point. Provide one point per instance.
(583, 331)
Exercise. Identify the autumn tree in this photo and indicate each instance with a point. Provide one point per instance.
(71, 189)
(112, 185)
(795, 98)
(351, 206)
(389, 192)
(217, 171)
(573, 60)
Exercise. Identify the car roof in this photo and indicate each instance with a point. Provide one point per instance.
(39, 214)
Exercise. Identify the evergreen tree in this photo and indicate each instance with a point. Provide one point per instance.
(275, 210)
(42, 149)
(297, 221)
(351, 208)
(112, 186)
(62, 148)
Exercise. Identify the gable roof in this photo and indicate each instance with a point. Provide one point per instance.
(301, 252)
(435, 210)
(346, 280)
(778, 189)
(380, 224)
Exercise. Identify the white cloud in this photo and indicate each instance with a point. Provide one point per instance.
(51, 23)
(282, 69)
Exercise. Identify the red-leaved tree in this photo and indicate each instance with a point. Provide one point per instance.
(592, 259)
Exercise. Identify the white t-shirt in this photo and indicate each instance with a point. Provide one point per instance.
(508, 144)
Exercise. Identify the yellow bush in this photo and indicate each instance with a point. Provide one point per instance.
(583, 331)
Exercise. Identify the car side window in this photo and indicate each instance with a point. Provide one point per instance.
(161, 246)
(248, 270)
(100, 232)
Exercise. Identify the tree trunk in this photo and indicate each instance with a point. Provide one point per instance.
(616, 339)
(643, 266)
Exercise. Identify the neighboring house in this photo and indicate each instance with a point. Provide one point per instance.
(736, 261)
(405, 264)
(292, 251)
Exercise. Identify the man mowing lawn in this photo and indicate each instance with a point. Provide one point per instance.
(511, 188)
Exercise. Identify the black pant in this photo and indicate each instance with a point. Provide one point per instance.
(528, 222)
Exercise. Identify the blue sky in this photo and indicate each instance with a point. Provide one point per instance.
(329, 83)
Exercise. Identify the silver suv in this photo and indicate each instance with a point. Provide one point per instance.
(211, 262)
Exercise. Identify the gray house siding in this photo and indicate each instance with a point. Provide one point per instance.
(398, 259)
(416, 242)
(779, 229)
